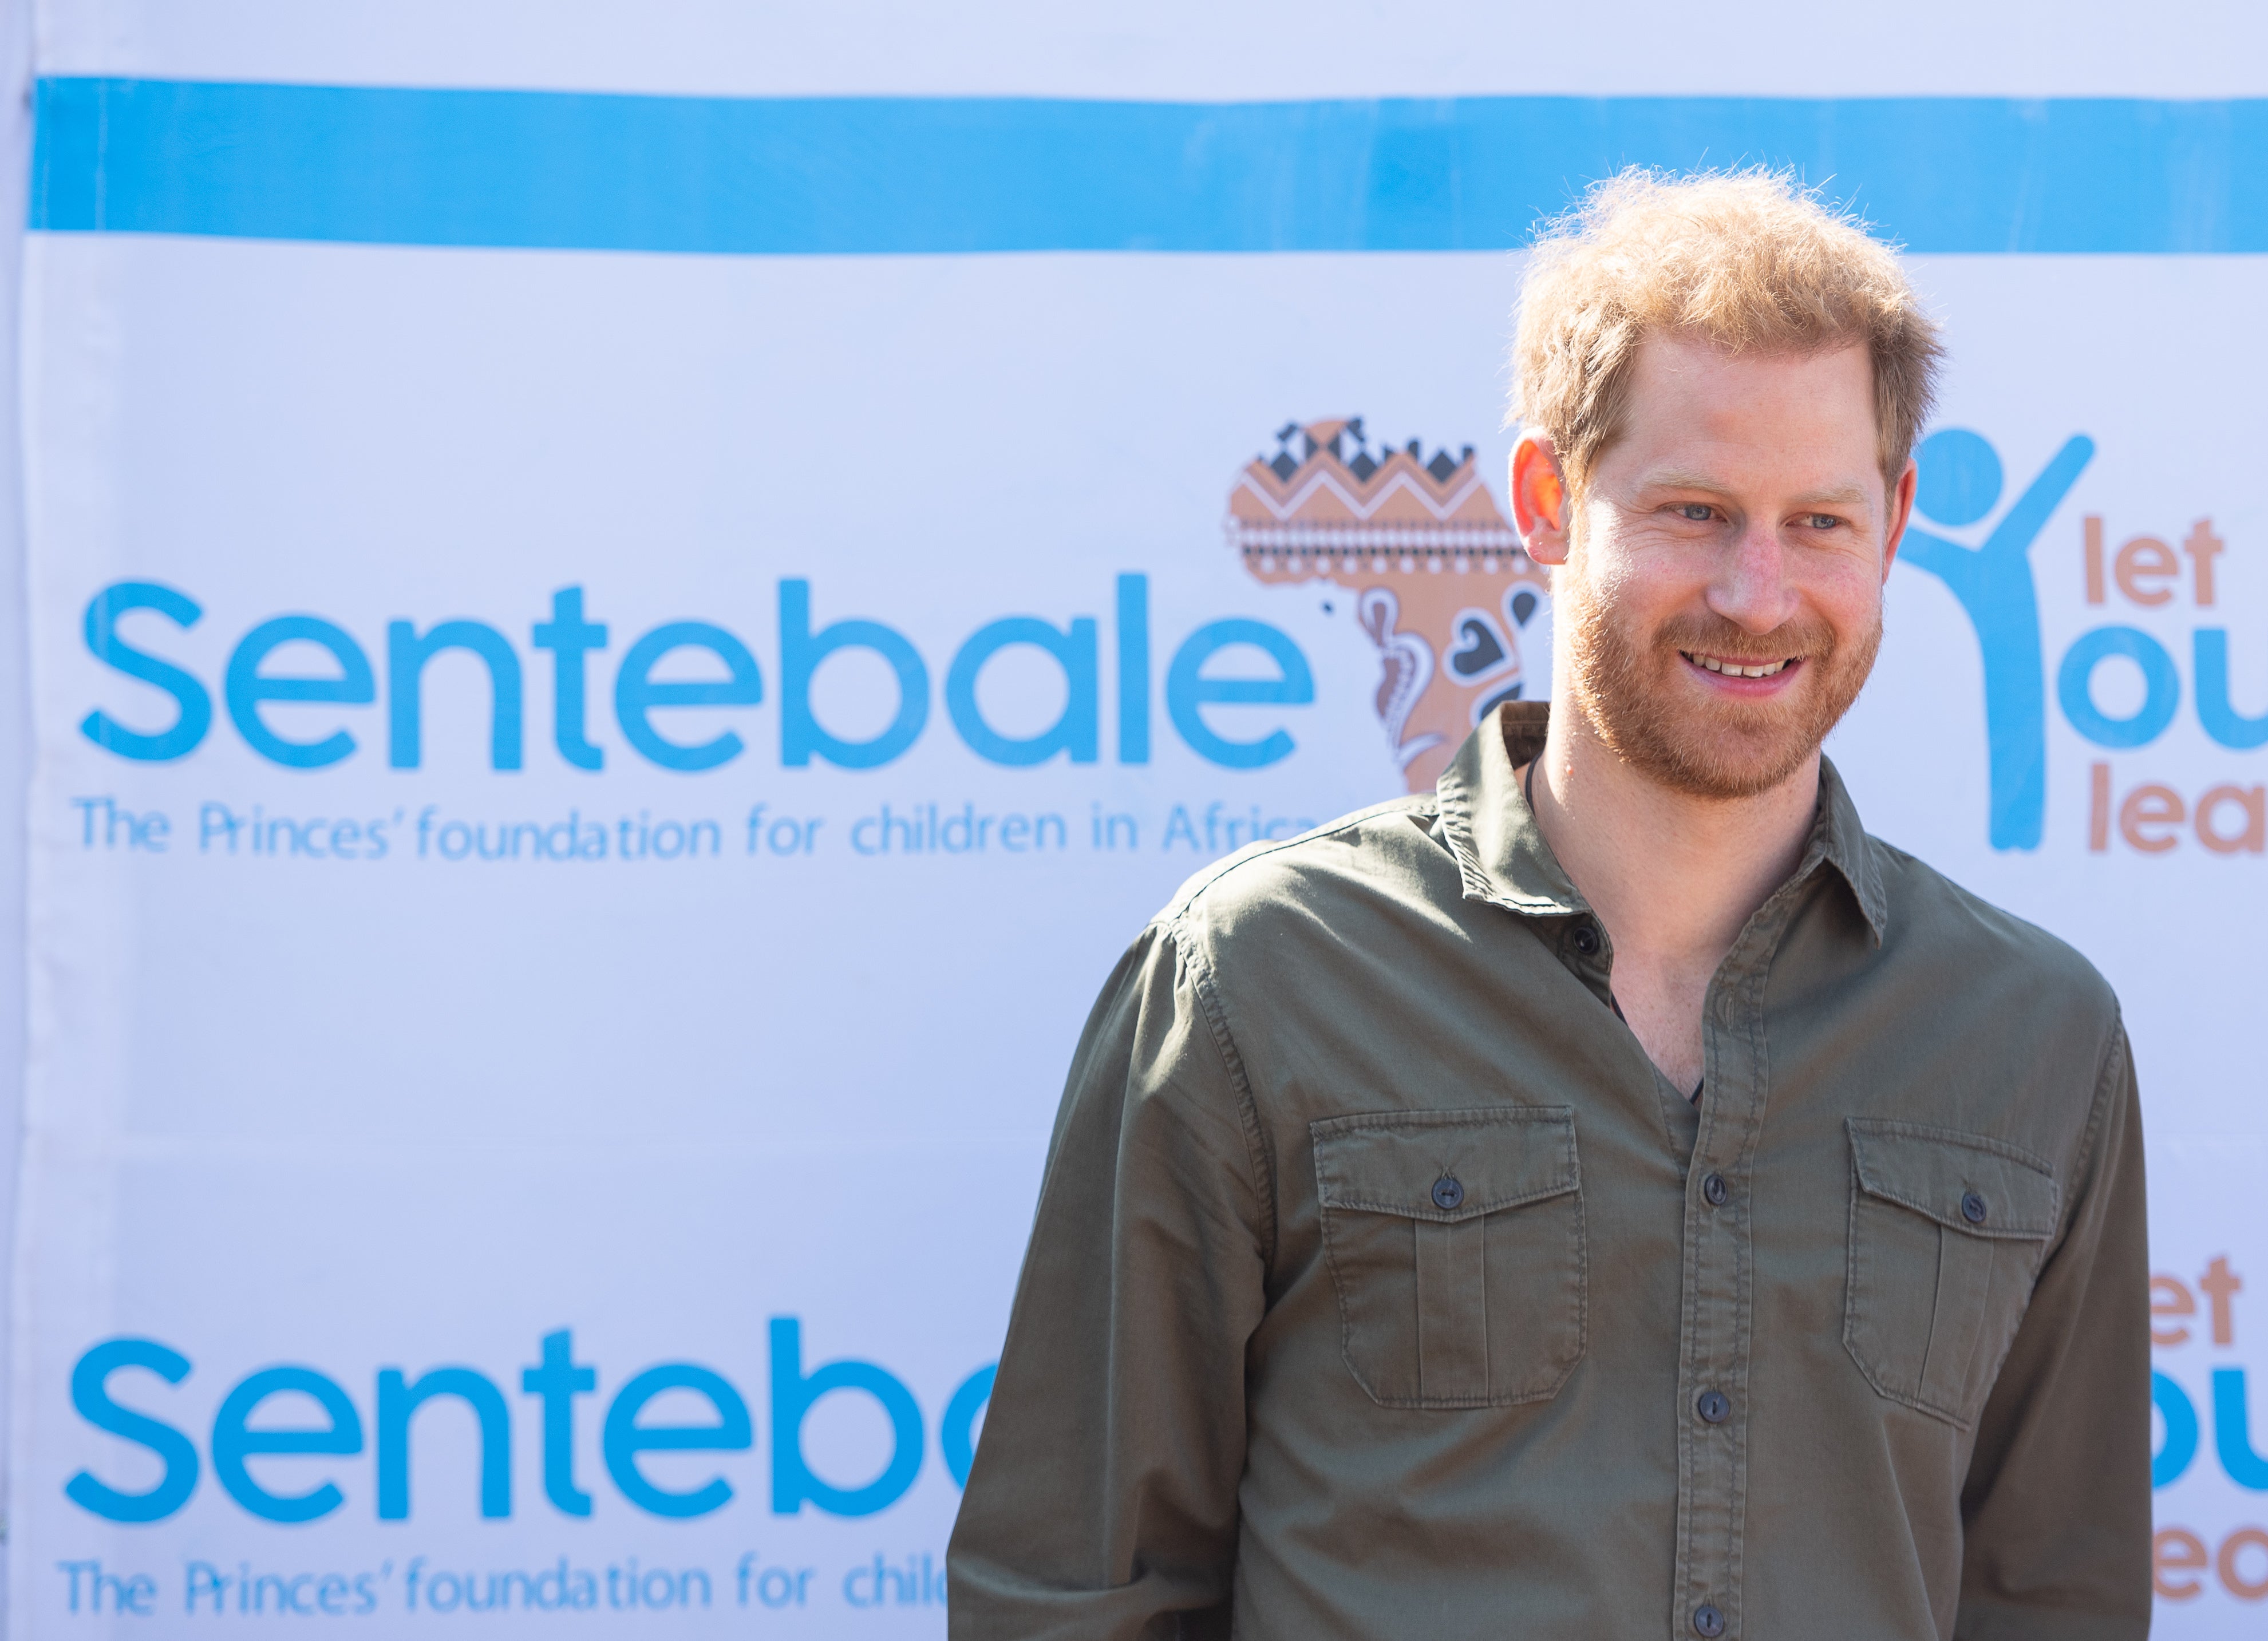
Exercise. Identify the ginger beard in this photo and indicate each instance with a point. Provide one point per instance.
(1633, 689)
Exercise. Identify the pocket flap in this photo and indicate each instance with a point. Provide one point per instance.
(1962, 1180)
(1391, 1162)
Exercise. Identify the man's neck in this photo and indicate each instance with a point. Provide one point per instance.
(1673, 876)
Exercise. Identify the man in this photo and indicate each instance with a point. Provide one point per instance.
(1611, 1196)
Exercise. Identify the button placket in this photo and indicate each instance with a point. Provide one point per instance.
(1714, 1346)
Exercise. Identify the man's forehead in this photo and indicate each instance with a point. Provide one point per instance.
(1699, 417)
(1688, 354)
(1827, 391)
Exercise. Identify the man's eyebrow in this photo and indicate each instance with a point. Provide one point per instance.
(1839, 496)
(1692, 479)
(1680, 479)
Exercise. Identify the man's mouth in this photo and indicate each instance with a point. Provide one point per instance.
(1738, 669)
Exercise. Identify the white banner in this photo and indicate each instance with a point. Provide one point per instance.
(597, 728)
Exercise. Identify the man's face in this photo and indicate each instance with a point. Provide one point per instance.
(1722, 593)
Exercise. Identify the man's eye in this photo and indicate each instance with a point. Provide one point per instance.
(1821, 521)
(1697, 512)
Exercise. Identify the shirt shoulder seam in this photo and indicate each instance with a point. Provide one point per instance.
(1257, 1157)
(2114, 1054)
(1413, 804)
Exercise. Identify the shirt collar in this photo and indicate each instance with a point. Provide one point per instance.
(1501, 855)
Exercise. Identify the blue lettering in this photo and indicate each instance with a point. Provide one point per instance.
(557, 1381)
(570, 638)
(233, 1442)
(194, 707)
(245, 686)
(2232, 1432)
(2222, 721)
(635, 693)
(953, 1432)
(625, 1438)
(90, 1388)
(801, 652)
(1133, 669)
(1187, 690)
(793, 1396)
(1959, 481)
(2173, 1402)
(1074, 732)
(407, 654)
(397, 1401)
(238, 1440)
(2162, 684)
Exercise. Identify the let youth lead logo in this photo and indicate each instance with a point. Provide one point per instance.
(1988, 556)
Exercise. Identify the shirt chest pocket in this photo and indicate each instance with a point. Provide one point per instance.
(1946, 1234)
(1455, 1242)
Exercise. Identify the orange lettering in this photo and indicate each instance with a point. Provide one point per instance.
(2151, 806)
(2220, 1282)
(2146, 556)
(2098, 808)
(2177, 1549)
(2203, 546)
(2253, 800)
(2092, 532)
(2178, 1301)
(2242, 1588)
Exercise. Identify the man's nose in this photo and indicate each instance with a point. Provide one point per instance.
(1750, 588)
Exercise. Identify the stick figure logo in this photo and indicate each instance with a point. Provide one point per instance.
(1959, 485)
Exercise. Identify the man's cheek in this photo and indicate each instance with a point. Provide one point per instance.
(1850, 602)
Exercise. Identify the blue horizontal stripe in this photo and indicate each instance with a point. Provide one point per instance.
(769, 176)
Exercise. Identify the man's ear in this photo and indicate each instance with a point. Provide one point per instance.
(1539, 499)
(1901, 499)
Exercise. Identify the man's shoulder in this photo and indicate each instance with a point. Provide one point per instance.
(1385, 850)
(1943, 923)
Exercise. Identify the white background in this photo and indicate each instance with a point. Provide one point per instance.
(415, 1113)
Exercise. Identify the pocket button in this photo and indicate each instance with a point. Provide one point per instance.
(1973, 1208)
(1707, 1621)
(1448, 1193)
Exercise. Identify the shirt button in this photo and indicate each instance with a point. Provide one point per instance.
(1716, 1190)
(1448, 1193)
(1707, 1621)
(1587, 939)
(1973, 1208)
(1714, 1406)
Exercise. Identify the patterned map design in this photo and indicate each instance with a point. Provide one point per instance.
(1459, 612)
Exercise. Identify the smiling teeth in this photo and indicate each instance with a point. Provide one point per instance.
(1732, 671)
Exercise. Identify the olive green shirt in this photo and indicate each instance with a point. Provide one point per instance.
(1381, 1286)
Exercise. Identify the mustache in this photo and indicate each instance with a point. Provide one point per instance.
(1714, 636)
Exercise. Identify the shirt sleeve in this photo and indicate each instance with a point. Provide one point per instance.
(2058, 1499)
(1102, 1502)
